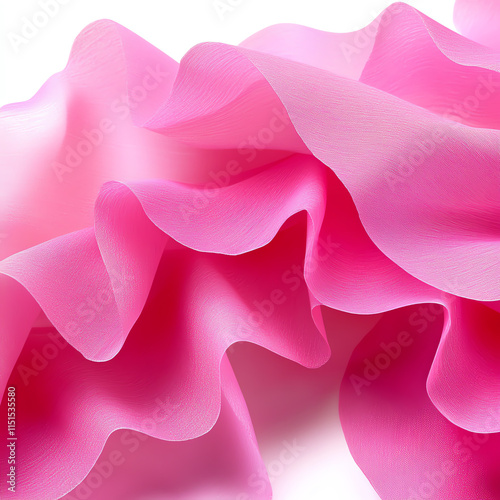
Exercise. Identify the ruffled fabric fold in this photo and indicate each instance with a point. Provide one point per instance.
(182, 207)
(386, 413)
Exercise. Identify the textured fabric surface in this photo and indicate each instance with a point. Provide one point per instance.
(153, 213)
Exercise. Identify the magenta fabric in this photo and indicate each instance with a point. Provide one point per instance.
(154, 213)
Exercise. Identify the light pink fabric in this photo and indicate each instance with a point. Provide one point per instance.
(478, 20)
(153, 213)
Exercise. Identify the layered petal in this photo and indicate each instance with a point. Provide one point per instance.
(405, 446)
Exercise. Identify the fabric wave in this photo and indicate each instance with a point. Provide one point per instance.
(153, 213)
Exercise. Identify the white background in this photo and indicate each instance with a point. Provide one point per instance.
(327, 471)
(172, 25)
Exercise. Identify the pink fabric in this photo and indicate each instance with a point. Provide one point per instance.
(478, 20)
(405, 446)
(153, 213)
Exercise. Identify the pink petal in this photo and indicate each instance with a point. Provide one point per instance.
(403, 444)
